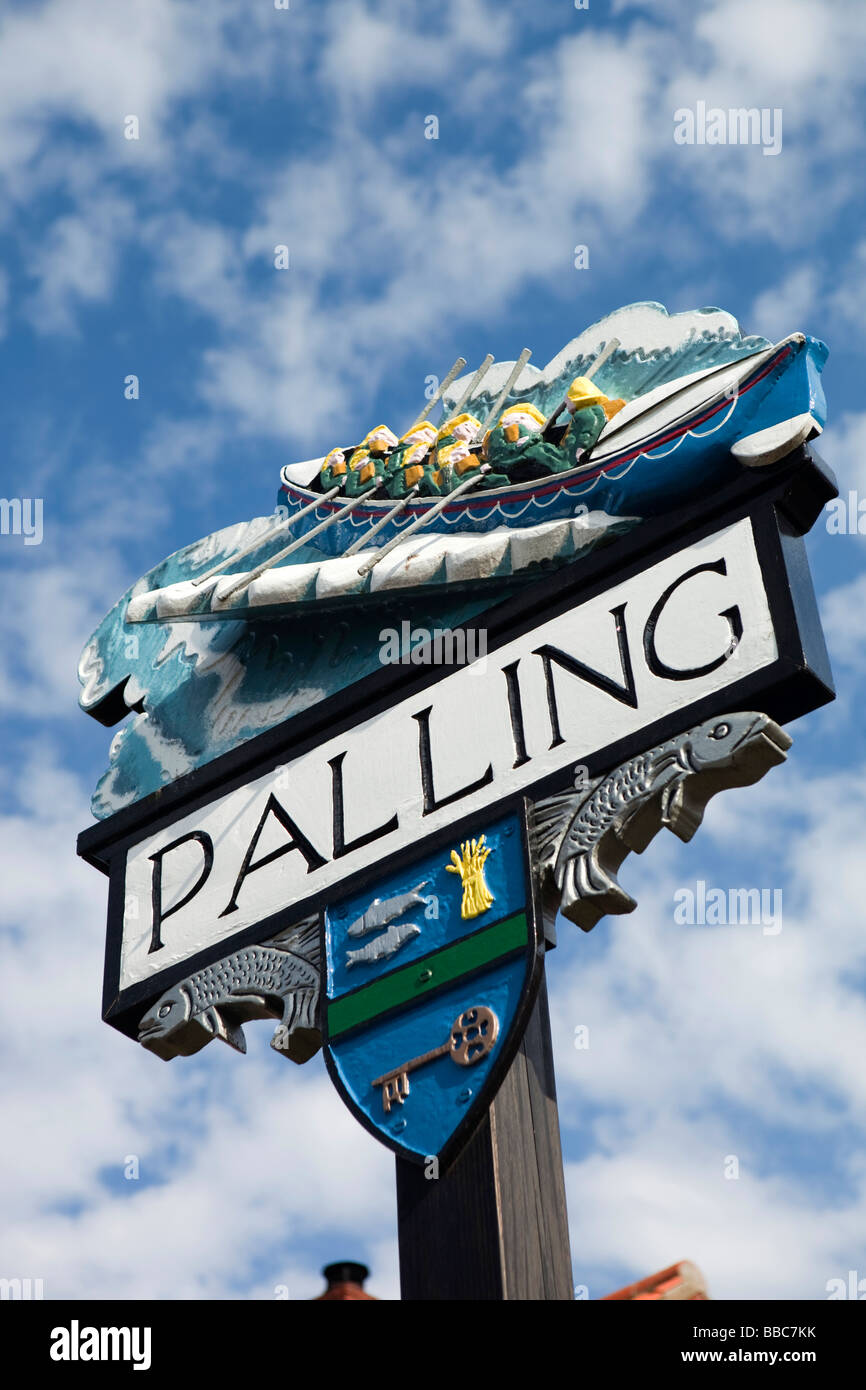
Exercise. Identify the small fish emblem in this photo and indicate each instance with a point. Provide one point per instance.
(384, 910)
(384, 946)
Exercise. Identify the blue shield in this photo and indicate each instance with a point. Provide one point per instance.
(431, 971)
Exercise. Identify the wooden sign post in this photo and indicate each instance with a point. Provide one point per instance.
(379, 869)
(495, 1226)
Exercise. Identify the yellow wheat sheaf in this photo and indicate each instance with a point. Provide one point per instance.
(477, 897)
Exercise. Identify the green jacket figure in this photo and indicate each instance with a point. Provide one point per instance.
(590, 409)
(516, 450)
(368, 463)
(333, 470)
(411, 462)
(453, 454)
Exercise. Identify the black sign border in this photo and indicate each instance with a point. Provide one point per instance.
(782, 502)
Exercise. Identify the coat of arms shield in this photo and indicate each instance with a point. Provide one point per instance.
(431, 974)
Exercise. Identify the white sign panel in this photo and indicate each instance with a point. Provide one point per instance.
(685, 628)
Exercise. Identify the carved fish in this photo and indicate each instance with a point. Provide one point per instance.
(277, 979)
(581, 839)
(384, 910)
(384, 946)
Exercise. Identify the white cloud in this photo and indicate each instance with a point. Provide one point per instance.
(843, 613)
(784, 308)
(425, 226)
(366, 45)
(392, 227)
(97, 538)
(847, 292)
(243, 1161)
(92, 62)
(77, 262)
(201, 262)
(397, 226)
(708, 1042)
(843, 443)
(666, 1198)
(782, 44)
(47, 614)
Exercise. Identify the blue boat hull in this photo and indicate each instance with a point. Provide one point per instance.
(681, 460)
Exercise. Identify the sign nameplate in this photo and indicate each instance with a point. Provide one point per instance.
(644, 653)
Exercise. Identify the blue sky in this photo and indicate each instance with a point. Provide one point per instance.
(154, 256)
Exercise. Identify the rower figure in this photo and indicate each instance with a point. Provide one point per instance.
(411, 463)
(333, 470)
(463, 427)
(516, 448)
(589, 409)
(454, 456)
(366, 469)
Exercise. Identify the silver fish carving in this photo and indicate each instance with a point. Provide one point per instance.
(384, 910)
(581, 839)
(384, 946)
(276, 979)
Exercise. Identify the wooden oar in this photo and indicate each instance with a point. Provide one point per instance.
(607, 351)
(493, 413)
(398, 507)
(467, 394)
(442, 388)
(244, 580)
(257, 545)
(472, 387)
(423, 519)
